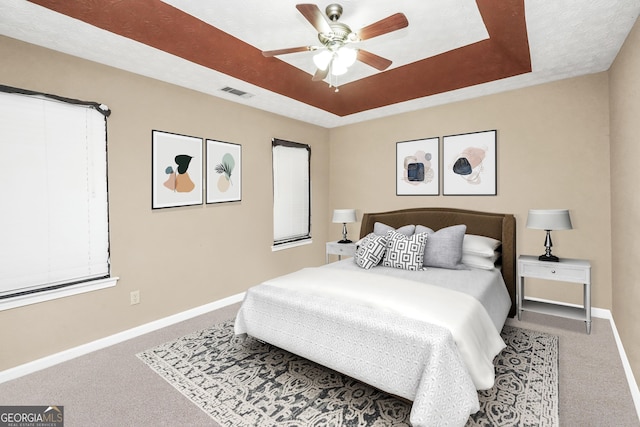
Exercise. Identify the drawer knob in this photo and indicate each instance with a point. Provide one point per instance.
(553, 272)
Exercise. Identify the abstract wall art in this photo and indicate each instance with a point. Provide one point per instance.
(176, 170)
(224, 172)
(469, 164)
(417, 167)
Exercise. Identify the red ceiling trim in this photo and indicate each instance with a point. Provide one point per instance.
(504, 54)
(164, 27)
(159, 25)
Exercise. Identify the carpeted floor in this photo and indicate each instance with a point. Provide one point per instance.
(248, 383)
(113, 387)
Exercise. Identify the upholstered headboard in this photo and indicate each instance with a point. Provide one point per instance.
(495, 225)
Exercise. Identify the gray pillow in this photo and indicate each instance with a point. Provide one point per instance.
(444, 247)
(381, 229)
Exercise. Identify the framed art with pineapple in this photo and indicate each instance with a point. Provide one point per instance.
(224, 172)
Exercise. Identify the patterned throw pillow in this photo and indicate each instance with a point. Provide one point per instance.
(370, 251)
(405, 252)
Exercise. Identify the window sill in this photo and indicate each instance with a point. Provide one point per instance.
(80, 288)
(291, 245)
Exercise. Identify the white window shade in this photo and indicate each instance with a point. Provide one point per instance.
(291, 192)
(54, 221)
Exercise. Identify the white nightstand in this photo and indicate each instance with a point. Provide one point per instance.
(566, 270)
(340, 249)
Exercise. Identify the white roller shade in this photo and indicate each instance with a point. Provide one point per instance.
(291, 192)
(54, 214)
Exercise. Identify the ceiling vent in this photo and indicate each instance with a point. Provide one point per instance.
(237, 92)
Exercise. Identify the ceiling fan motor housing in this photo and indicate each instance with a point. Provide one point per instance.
(337, 37)
(334, 12)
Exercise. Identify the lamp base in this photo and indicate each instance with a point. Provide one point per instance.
(546, 257)
(345, 241)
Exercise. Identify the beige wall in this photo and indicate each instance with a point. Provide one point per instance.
(553, 152)
(178, 258)
(625, 202)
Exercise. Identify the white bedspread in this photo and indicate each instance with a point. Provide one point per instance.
(487, 286)
(427, 344)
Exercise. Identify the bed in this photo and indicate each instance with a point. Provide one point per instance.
(428, 336)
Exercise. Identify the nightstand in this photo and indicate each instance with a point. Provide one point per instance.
(340, 249)
(566, 270)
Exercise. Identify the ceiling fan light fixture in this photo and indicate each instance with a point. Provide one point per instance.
(338, 69)
(322, 59)
(346, 56)
(334, 57)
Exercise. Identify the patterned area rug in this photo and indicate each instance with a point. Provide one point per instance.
(243, 382)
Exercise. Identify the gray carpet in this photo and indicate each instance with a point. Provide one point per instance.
(112, 387)
(242, 382)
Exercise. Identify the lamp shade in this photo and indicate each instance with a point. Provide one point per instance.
(344, 215)
(549, 219)
(322, 59)
(346, 56)
(337, 69)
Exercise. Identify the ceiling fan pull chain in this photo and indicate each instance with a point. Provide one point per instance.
(331, 73)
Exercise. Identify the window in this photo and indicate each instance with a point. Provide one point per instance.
(291, 193)
(54, 228)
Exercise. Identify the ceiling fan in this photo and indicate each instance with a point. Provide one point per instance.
(335, 56)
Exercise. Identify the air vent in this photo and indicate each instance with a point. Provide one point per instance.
(236, 92)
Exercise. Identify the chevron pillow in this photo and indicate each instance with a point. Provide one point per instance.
(405, 252)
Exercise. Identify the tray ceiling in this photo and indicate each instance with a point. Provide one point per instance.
(451, 50)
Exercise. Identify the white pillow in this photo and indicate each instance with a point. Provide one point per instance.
(479, 245)
(381, 229)
(482, 262)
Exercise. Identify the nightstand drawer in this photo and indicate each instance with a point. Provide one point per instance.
(341, 249)
(555, 272)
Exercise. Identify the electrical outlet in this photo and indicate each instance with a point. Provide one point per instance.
(135, 297)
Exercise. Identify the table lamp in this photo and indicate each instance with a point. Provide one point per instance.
(344, 216)
(549, 219)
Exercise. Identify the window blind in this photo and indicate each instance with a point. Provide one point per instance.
(54, 221)
(291, 192)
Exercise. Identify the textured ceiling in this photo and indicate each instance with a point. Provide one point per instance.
(451, 50)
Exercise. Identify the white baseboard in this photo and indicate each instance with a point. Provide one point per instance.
(633, 385)
(603, 313)
(101, 343)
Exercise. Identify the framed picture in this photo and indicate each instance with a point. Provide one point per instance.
(417, 167)
(469, 164)
(224, 172)
(176, 170)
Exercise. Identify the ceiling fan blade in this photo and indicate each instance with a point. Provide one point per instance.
(377, 62)
(269, 53)
(384, 26)
(320, 74)
(312, 13)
